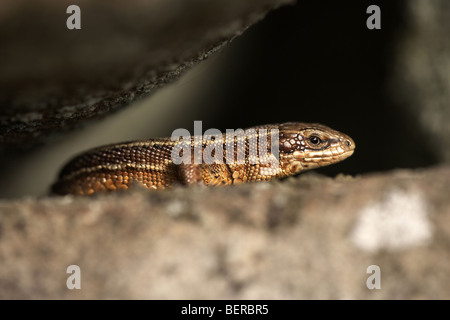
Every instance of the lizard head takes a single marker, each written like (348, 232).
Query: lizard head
(305, 146)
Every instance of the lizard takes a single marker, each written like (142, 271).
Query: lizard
(296, 147)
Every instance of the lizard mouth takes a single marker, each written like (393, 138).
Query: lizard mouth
(314, 155)
(345, 154)
(321, 159)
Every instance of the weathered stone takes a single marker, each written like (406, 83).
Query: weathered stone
(306, 237)
(53, 78)
(420, 78)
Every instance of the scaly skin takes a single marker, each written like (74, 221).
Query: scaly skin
(301, 146)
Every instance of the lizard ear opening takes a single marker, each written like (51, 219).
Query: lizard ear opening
(295, 167)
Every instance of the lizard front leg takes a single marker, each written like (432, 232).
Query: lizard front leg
(208, 174)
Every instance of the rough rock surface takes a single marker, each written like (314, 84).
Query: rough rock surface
(305, 237)
(421, 71)
(53, 78)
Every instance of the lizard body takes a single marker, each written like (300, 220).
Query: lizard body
(250, 157)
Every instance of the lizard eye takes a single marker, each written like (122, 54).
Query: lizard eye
(315, 140)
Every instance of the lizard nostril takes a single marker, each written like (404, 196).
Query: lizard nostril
(348, 143)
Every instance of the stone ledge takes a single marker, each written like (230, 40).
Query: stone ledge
(54, 79)
(305, 237)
